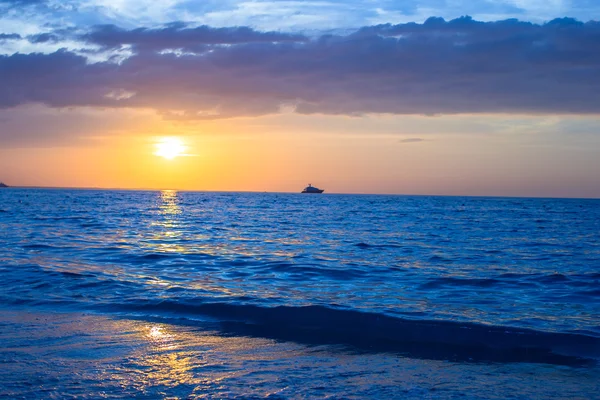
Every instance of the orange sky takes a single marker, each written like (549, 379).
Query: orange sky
(454, 155)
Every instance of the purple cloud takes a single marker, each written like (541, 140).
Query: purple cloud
(439, 67)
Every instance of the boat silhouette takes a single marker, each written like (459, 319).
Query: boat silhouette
(311, 189)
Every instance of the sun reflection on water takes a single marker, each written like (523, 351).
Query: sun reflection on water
(169, 205)
(167, 225)
(165, 363)
(158, 335)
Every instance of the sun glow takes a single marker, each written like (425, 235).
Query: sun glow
(169, 148)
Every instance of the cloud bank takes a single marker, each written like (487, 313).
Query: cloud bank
(438, 67)
(177, 36)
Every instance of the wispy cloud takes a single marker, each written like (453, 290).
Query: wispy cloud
(412, 140)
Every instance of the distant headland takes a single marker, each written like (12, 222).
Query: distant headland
(2, 185)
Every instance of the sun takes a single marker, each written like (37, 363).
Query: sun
(169, 148)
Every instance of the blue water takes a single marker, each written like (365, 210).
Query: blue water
(124, 293)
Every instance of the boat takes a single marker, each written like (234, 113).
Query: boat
(2, 185)
(311, 189)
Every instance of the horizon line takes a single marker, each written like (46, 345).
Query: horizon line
(289, 192)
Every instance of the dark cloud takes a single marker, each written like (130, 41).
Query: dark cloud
(178, 36)
(10, 36)
(44, 38)
(439, 67)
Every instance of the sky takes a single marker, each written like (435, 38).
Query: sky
(449, 97)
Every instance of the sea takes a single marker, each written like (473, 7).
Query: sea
(185, 295)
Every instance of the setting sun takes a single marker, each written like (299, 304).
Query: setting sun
(169, 148)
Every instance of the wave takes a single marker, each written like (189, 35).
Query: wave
(429, 339)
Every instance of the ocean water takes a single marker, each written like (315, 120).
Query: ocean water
(113, 294)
